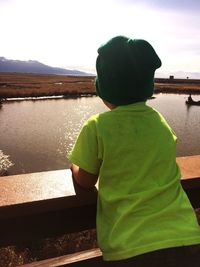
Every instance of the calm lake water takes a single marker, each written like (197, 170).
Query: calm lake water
(38, 134)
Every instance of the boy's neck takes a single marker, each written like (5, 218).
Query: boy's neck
(109, 105)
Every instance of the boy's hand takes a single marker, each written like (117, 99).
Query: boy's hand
(83, 178)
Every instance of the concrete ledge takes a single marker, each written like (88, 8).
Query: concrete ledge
(32, 193)
(190, 170)
(190, 166)
(46, 204)
(35, 187)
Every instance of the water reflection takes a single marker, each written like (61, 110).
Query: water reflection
(38, 134)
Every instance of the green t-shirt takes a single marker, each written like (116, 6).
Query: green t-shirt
(141, 204)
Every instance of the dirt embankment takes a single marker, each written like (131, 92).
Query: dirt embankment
(14, 85)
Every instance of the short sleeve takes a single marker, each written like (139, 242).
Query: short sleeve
(85, 151)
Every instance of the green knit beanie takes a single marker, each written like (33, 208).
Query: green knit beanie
(125, 70)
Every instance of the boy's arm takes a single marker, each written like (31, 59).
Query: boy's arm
(83, 178)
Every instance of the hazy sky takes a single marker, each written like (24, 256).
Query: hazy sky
(67, 33)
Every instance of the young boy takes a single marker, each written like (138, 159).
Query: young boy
(144, 217)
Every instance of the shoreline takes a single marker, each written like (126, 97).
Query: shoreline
(45, 97)
(75, 96)
(26, 97)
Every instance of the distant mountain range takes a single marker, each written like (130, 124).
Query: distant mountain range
(32, 66)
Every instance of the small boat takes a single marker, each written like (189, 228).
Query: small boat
(190, 101)
(194, 103)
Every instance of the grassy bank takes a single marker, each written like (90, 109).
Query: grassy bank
(177, 86)
(14, 85)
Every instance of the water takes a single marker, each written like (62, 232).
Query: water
(38, 134)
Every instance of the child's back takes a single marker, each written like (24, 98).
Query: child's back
(142, 207)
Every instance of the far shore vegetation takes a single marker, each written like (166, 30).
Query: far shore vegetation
(15, 85)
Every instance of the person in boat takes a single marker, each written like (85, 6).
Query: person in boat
(190, 100)
(144, 217)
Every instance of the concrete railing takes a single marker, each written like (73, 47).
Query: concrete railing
(46, 204)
